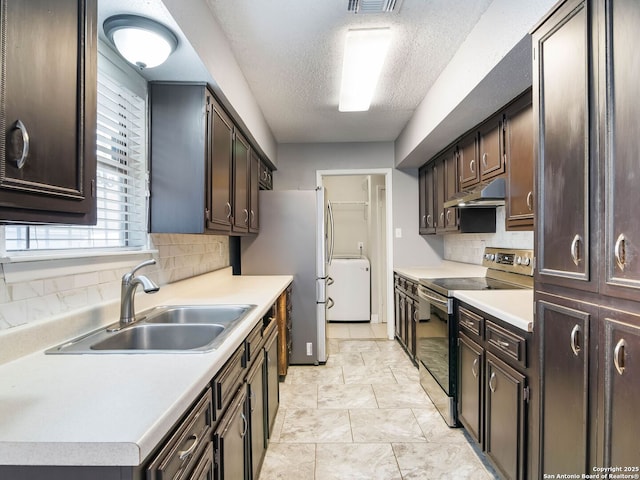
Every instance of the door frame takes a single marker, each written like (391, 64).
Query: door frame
(388, 181)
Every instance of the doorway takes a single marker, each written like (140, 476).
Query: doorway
(362, 204)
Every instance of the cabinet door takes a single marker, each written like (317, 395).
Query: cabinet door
(562, 148)
(505, 417)
(518, 128)
(467, 161)
(398, 308)
(439, 192)
(451, 189)
(254, 224)
(491, 150)
(426, 197)
(48, 111)
(622, 243)
(272, 385)
(256, 402)
(564, 343)
(229, 440)
(411, 318)
(470, 375)
(219, 181)
(241, 169)
(620, 383)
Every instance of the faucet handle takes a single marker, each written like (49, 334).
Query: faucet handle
(151, 261)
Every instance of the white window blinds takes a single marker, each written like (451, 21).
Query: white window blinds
(121, 179)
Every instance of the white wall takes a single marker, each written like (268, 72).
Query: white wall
(297, 166)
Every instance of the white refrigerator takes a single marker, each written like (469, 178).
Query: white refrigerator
(296, 238)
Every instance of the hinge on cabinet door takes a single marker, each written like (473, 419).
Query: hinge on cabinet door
(527, 394)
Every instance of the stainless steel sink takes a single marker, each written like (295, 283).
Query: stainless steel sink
(162, 337)
(164, 329)
(197, 314)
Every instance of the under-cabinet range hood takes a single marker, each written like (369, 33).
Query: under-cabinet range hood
(490, 193)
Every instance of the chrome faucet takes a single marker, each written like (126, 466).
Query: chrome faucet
(128, 290)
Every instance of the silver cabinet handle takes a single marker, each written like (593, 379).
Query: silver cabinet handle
(474, 368)
(424, 220)
(484, 160)
(575, 346)
(575, 249)
(492, 382)
(246, 216)
(618, 355)
(20, 160)
(429, 220)
(228, 209)
(415, 315)
(185, 453)
(442, 218)
(530, 201)
(472, 165)
(330, 303)
(448, 216)
(469, 323)
(502, 344)
(245, 425)
(619, 251)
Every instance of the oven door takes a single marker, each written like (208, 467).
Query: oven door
(435, 350)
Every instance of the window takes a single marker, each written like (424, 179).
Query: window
(121, 178)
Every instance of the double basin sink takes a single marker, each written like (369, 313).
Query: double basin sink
(164, 329)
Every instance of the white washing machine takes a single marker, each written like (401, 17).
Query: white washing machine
(350, 290)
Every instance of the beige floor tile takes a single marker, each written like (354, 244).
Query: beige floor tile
(333, 346)
(405, 374)
(315, 374)
(391, 357)
(341, 359)
(385, 425)
(346, 396)
(289, 462)
(337, 330)
(368, 374)
(358, 346)
(301, 395)
(401, 396)
(316, 426)
(435, 429)
(389, 345)
(379, 330)
(274, 437)
(361, 330)
(356, 462)
(419, 461)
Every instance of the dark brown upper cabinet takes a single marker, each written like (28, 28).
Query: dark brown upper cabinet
(451, 188)
(220, 161)
(254, 187)
(518, 143)
(468, 160)
(241, 169)
(426, 200)
(439, 179)
(621, 139)
(48, 111)
(491, 150)
(563, 149)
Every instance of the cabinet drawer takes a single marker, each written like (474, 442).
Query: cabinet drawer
(506, 344)
(253, 344)
(180, 453)
(228, 380)
(470, 323)
(204, 468)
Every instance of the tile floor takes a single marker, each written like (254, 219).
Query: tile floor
(364, 415)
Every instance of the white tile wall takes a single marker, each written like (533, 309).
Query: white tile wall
(179, 257)
(469, 247)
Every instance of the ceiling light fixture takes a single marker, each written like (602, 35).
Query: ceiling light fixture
(364, 54)
(141, 41)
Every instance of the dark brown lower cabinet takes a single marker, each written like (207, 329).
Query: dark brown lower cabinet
(406, 314)
(229, 440)
(505, 415)
(493, 389)
(256, 402)
(471, 373)
(272, 381)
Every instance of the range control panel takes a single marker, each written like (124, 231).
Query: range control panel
(509, 260)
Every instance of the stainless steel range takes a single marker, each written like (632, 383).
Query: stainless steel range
(436, 332)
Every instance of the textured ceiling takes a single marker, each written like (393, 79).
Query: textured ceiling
(290, 52)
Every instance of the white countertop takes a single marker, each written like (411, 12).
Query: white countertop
(444, 269)
(512, 306)
(113, 409)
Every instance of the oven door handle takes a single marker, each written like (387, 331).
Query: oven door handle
(423, 293)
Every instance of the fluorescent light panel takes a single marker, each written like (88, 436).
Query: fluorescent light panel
(364, 54)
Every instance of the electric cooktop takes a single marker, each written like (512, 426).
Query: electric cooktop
(445, 285)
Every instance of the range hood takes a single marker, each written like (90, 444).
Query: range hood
(490, 193)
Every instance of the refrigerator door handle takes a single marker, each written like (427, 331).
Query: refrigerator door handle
(332, 236)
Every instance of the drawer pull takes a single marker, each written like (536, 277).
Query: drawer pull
(186, 453)
(492, 382)
(474, 368)
(469, 323)
(575, 346)
(502, 344)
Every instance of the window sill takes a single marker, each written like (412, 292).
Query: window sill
(30, 266)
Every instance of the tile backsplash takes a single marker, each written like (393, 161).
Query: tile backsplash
(469, 247)
(179, 257)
